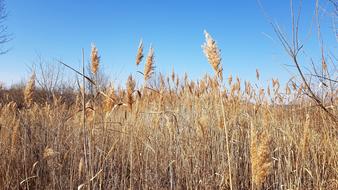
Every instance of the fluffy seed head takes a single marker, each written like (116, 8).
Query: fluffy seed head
(29, 91)
(324, 66)
(230, 79)
(110, 101)
(287, 89)
(261, 163)
(95, 59)
(173, 74)
(247, 87)
(261, 92)
(48, 153)
(275, 83)
(257, 74)
(130, 90)
(212, 52)
(149, 67)
(139, 55)
(294, 86)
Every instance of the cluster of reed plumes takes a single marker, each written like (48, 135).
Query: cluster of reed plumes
(170, 133)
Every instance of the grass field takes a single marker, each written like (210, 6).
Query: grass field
(169, 133)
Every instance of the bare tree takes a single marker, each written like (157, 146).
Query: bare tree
(4, 36)
(49, 74)
(310, 79)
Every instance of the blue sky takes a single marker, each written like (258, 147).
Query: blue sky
(59, 29)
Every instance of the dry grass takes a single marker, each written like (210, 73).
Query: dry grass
(178, 134)
(149, 65)
(139, 55)
(29, 91)
(212, 53)
(261, 161)
(95, 59)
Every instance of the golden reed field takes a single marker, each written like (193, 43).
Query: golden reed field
(170, 132)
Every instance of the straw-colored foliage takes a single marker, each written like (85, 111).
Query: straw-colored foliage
(176, 134)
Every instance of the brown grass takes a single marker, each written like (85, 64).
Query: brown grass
(260, 154)
(139, 55)
(212, 53)
(95, 59)
(29, 91)
(179, 134)
(149, 66)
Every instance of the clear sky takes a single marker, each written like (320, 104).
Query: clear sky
(59, 29)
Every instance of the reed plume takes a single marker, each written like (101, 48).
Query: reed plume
(29, 91)
(287, 89)
(110, 101)
(49, 153)
(95, 59)
(173, 74)
(324, 65)
(139, 55)
(212, 52)
(130, 90)
(257, 74)
(149, 67)
(261, 163)
(230, 80)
